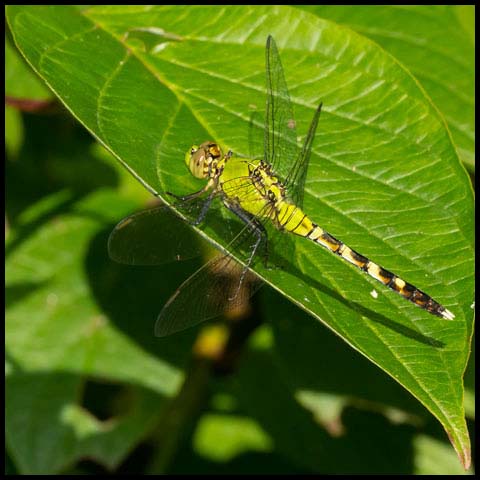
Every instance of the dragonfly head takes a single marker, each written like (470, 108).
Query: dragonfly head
(200, 158)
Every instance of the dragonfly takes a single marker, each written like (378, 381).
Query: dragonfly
(260, 193)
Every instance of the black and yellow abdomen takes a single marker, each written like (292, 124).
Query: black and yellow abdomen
(292, 219)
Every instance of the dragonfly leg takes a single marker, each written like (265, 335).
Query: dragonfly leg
(186, 198)
(205, 208)
(261, 238)
(192, 196)
(251, 222)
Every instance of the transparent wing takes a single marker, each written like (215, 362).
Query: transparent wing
(220, 285)
(152, 237)
(280, 136)
(255, 136)
(295, 181)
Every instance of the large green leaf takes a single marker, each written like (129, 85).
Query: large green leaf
(384, 176)
(437, 44)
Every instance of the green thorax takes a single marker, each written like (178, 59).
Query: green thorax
(252, 185)
(247, 184)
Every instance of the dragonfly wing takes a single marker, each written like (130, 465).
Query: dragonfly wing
(221, 285)
(255, 136)
(152, 237)
(280, 136)
(295, 181)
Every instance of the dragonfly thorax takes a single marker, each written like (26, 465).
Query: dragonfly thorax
(202, 160)
(267, 183)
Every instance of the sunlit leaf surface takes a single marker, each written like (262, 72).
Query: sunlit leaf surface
(384, 177)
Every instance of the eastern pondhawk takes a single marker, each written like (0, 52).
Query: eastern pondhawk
(258, 192)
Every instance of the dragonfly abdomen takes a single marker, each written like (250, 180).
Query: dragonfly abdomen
(303, 226)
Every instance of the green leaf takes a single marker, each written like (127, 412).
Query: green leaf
(384, 176)
(13, 132)
(20, 80)
(437, 44)
(237, 436)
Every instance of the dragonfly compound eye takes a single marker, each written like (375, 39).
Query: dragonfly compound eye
(199, 158)
(190, 154)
